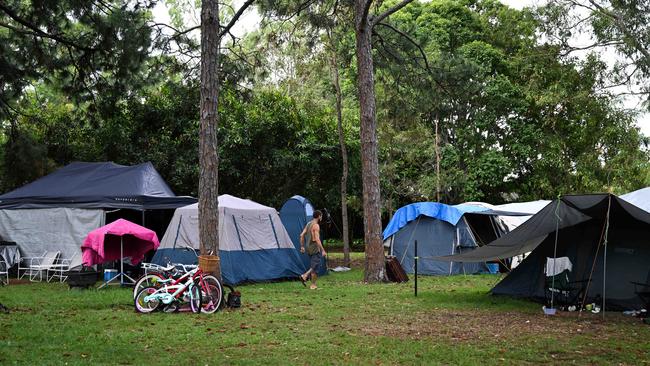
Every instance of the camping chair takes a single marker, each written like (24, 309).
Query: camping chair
(642, 290)
(61, 268)
(35, 266)
(557, 284)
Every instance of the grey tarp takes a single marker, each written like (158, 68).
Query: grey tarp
(53, 229)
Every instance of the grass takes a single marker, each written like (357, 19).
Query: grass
(452, 321)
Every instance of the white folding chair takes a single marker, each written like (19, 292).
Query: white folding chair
(61, 268)
(37, 265)
(4, 271)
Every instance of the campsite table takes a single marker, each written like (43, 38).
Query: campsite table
(9, 253)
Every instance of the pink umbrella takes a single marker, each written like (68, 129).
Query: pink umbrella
(118, 240)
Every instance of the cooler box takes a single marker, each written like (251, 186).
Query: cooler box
(109, 274)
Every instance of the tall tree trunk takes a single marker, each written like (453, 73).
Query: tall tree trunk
(435, 121)
(374, 266)
(208, 153)
(344, 157)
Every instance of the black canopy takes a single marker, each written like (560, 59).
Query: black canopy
(97, 185)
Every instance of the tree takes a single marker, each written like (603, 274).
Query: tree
(211, 35)
(602, 25)
(364, 22)
(344, 152)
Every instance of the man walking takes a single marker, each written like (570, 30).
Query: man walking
(311, 235)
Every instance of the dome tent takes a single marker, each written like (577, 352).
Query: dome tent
(440, 228)
(253, 244)
(296, 212)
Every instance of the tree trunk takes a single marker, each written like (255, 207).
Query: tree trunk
(208, 153)
(344, 157)
(374, 266)
(435, 121)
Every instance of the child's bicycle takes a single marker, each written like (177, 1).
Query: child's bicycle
(204, 293)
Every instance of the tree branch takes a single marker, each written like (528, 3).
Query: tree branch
(38, 32)
(375, 20)
(235, 17)
(622, 28)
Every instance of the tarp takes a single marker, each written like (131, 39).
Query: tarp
(640, 198)
(295, 213)
(52, 229)
(434, 210)
(253, 243)
(106, 243)
(570, 209)
(97, 185)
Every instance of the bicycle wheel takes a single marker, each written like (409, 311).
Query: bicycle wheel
(148, 280)
(142, 306)
(212, 294)
(195, 298)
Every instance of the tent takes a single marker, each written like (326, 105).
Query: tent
(253, 243)
(296, 212)
(440, 230)
(56, 212)
(605, 237)
(639, 198)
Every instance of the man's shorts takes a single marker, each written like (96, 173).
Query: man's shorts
(314, 261)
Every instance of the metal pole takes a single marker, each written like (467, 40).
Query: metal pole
(121, 260)
(609, 204)
(415, 258)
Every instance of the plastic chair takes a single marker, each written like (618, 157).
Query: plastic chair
(37, 265)
(4, 271)
(61, 268)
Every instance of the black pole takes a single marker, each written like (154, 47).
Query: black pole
(415, 258)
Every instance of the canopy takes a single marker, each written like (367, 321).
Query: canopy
(103, 244)
(561, 213)
(97, 185)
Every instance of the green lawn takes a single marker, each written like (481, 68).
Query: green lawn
(452, 321)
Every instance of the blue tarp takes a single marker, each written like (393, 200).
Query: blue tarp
(435, 210)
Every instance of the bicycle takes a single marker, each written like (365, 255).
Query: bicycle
(170, 295)
(210, 290)
(154, 274)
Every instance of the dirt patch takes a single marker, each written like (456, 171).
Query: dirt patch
(338, 261)
(475, 326)
(13, 281)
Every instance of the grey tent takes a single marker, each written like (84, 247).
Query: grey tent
(56, 212)
(606, 239)
(440, 229)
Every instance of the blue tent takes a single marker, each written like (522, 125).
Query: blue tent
(440, 228)
(253, 244)
(296, 212)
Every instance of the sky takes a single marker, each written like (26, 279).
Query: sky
(249, 21)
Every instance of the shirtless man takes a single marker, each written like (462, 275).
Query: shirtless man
(315, 249)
